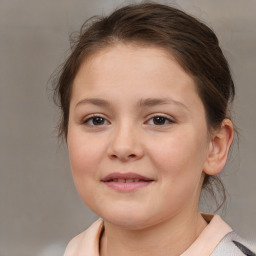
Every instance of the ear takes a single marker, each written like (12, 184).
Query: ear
(220, 143)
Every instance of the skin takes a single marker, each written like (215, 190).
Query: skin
(175, 154)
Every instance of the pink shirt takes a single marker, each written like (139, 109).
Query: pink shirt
(205, 244)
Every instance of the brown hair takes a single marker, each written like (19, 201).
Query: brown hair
(192, 43)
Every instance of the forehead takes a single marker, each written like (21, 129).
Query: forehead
(131, 63)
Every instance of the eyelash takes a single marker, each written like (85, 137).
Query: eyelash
(94, 116)
(91, 117)
(165, 118)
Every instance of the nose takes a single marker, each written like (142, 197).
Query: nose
(125, 144)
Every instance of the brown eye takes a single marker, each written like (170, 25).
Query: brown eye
(98, 120)
(159, 120)
(95, 121)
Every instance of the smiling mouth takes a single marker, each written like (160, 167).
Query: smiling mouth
(126, 182)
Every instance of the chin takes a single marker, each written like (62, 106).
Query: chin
(127, 219)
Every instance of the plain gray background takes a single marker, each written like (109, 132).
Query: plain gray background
(39, 207)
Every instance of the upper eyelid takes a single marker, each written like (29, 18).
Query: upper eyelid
(162, 115)
(88, 117)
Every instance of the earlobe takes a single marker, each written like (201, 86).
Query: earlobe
(219, 147)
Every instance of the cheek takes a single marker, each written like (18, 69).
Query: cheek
(85, 154)
(180, 159)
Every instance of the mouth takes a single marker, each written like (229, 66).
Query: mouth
(126, 182)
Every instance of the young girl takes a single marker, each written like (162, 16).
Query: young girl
(145, 95)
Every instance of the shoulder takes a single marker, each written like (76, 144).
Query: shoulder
(87, 242)
(233, 245)
(74, 244)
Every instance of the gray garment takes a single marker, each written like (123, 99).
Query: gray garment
(232, 245)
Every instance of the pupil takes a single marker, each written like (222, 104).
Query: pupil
(159, 120)
(98, 120)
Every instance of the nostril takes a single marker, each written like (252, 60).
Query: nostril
(131, 156)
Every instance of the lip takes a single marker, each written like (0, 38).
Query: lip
(127, 175)
(126, 182)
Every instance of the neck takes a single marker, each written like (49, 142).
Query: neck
(170, 237)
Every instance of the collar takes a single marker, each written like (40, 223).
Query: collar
(205, 244)
(210, 237)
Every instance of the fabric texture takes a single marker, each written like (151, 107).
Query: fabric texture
(217, 239)
(232, 244)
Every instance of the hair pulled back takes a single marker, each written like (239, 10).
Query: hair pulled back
(192, 43)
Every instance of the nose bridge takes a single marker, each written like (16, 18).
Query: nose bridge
(125, 141)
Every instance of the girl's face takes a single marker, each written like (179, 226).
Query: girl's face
(137, 136)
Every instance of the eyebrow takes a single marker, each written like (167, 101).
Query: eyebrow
(151, 102)
(143, 103)
(94, 101)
